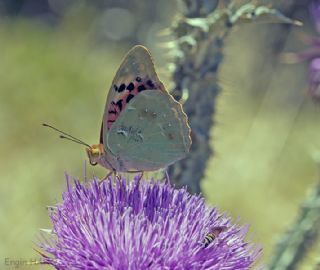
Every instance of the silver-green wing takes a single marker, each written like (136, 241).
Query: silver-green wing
(151, 133)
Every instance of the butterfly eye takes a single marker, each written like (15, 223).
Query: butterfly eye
(95, 151)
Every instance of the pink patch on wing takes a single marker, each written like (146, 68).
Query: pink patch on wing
(126, 93)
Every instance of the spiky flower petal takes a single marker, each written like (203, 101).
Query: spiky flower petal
(314, 79)
(142, 225)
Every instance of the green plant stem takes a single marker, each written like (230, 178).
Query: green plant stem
(294, 245)
(200, 33)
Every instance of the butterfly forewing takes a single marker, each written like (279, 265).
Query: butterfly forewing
(135, 74)
(151, 133)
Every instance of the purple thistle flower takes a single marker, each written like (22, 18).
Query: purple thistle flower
(314, 68)
(314, 8)
(142, 225)
(314, 79)
(311, 54)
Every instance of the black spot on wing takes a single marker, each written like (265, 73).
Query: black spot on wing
(150, 83)
(138, 79)
(112, 112)
(141, 88)
(121, 87)
(115, 88)
(129, 97)
(130, 86)
(119, 104)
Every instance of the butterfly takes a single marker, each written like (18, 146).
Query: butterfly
(143, 127)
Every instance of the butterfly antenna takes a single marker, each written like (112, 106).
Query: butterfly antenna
(76, 141)
(67, 136)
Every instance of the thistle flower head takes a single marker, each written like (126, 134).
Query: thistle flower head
(311, 54)
(314, 8)
(314, 79)
(142, 225)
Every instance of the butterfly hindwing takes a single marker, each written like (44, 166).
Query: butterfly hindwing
(151, 133)
(135, 74)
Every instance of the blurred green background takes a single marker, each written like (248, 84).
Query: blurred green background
(57, 61)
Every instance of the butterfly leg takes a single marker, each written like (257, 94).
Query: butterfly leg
(106, 177)
(136, 172)
(141, 175)
(116, 176)
(166, 177)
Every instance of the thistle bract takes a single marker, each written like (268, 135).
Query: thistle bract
(141, 225)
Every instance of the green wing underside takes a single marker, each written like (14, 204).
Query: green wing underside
(151, 133)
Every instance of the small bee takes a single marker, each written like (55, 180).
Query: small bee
(213, 234)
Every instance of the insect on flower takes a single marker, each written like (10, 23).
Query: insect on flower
(143, 127)
(213, 234)
(140, 225)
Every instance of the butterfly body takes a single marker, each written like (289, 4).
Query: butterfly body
(143, 127)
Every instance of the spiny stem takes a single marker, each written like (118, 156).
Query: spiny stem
(294, 245)
(200, 32)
